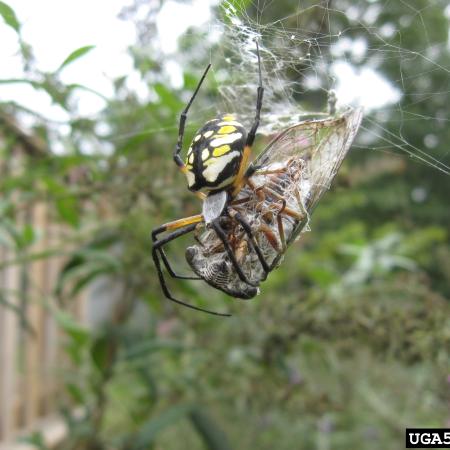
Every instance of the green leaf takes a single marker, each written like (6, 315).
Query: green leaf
(102, 351)
(35, 439)
(212, 435)
(9, 16)
(167, 97)
(78, 53)
(28, 235)
(143, 349)
(83, 281)
(147, 434)
(75, 392)
(73, 329)
(85, 265)
(73, 86)
(68, 210)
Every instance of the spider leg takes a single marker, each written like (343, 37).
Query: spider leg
(156, 254)
(261, 191)
(248, 230)
(244, 169)
(270, 236)
(171, 226)
(281, 228)
(272, 171)
(179, 146)
(223, 237)
(259, 98)
(285, 210)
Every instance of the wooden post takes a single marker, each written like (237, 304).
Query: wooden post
(9, 342)
(35, 296)
(51, 335)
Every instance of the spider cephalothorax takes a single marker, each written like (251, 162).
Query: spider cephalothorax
(213, 159)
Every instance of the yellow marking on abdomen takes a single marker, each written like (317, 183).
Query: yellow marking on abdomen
(227, 129)
(219, 151)
(228, 117)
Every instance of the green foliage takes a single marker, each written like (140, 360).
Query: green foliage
(37, 440)
(76, 54)
(214, 438)
(85, 265)
(348, 342)
(9, 16)
(147, 434)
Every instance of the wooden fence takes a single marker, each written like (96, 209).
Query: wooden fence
(29, 340)
(30, 354)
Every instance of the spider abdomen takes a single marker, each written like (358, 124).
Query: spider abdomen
(215, 155)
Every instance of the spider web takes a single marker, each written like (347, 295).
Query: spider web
(388, 52)
(302, 62)
(386, 56)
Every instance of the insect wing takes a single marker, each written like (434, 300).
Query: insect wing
(322, 144)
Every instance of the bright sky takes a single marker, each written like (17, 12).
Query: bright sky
(56, 28)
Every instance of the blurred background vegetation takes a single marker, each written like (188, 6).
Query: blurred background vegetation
(349, 341)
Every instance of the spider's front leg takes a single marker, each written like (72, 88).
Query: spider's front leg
(246, 169)
(181, 126)
(173, 226)
(177, 229)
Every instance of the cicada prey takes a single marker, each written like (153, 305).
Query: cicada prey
(275, 204)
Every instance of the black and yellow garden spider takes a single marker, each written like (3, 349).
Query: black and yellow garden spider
(252, 212)
(217, 167)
